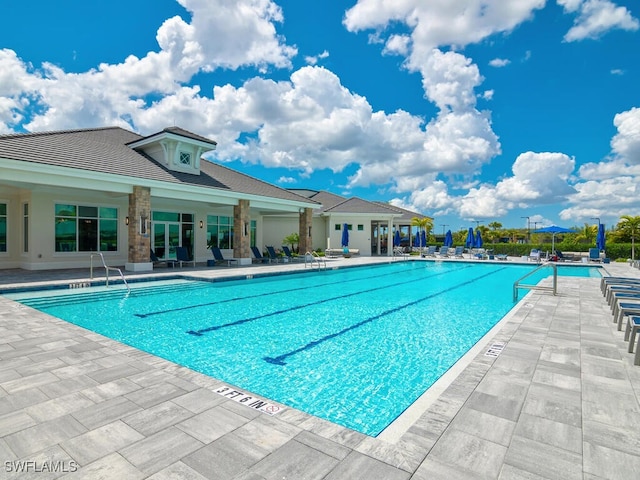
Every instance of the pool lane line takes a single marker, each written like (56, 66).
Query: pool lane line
(280, 359)
(202, 331)
(247, 297)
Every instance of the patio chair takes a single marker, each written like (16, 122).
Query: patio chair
(444, 252)
(594, 255)
(458, 252)
(258, 257)
(534, 255)
(219, 258)
(429, 251)
(288, 254)
(156, 261)
(182, 256)
(273, 256)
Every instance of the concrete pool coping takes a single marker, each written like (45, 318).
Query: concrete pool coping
(560, 401)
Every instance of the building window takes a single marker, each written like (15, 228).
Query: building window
(3, 227)
(254, 230)
(81, 228)
(360, 227)
(185, 158)
(337, 227)
(219, 231)
(25, 227)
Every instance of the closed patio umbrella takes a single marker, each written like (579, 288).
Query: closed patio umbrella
(600, 240)
(345, 235)
(448, 239)
(423, 238)
(478, 243)
(470, 242)
(396, 239)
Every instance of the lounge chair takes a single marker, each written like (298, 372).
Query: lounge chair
(429, 251)
(594, 255)
(258, 257)
(289, 255)
(480, 254)
(156, 261)
(562, 257)
(219, 258)
(534, 255)
(182, 256)
(502, 256)
(273, 256)
(633, 327)
(444, 252)
(459, 252)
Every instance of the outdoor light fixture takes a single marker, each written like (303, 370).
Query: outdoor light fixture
(309, 230)
(201, 224)
(143, 223)
(126, 221)
(246, 229)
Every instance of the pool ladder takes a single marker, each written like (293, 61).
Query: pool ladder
(311, 258)
(107, 268)
(553, 288)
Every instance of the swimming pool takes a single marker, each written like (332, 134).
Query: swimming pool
(355, 346)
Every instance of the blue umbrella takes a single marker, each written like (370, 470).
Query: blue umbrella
(396, 239)
(345, 235)
(448, 239)
(416, 240)
(600, 240)
(478, 242)
(553, 229)
(470, 242)
(423, 238)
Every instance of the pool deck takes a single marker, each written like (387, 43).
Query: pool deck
(560, 401)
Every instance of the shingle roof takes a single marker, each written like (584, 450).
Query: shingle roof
(406, 214)
(105, 150)
(183, 133)
(358, 205)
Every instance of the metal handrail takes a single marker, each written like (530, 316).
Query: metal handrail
(399, 252)
(311, 257)
(553, 289)
(107, 268)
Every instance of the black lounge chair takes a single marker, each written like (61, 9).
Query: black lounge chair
(258, 256)
(288, 254)
(182, 256)
(272, 254)
(156, 261)
(219, 258)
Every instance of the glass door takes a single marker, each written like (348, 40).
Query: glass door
(166, 237)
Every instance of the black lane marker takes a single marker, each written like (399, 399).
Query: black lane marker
(244, 297)
(316, 302)
(280, 359)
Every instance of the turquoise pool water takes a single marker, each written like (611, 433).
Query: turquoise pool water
(355, 346)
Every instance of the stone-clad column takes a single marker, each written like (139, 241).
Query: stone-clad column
(304, 230)
(242, 232)
(139, 230)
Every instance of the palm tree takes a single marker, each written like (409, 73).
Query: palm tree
(588, 233)
(495, 226)
(423, 223)
(630, 226)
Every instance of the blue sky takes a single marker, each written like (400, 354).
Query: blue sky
(467, 111)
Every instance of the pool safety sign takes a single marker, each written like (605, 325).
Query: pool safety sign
(248, 400)
(495, 349)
